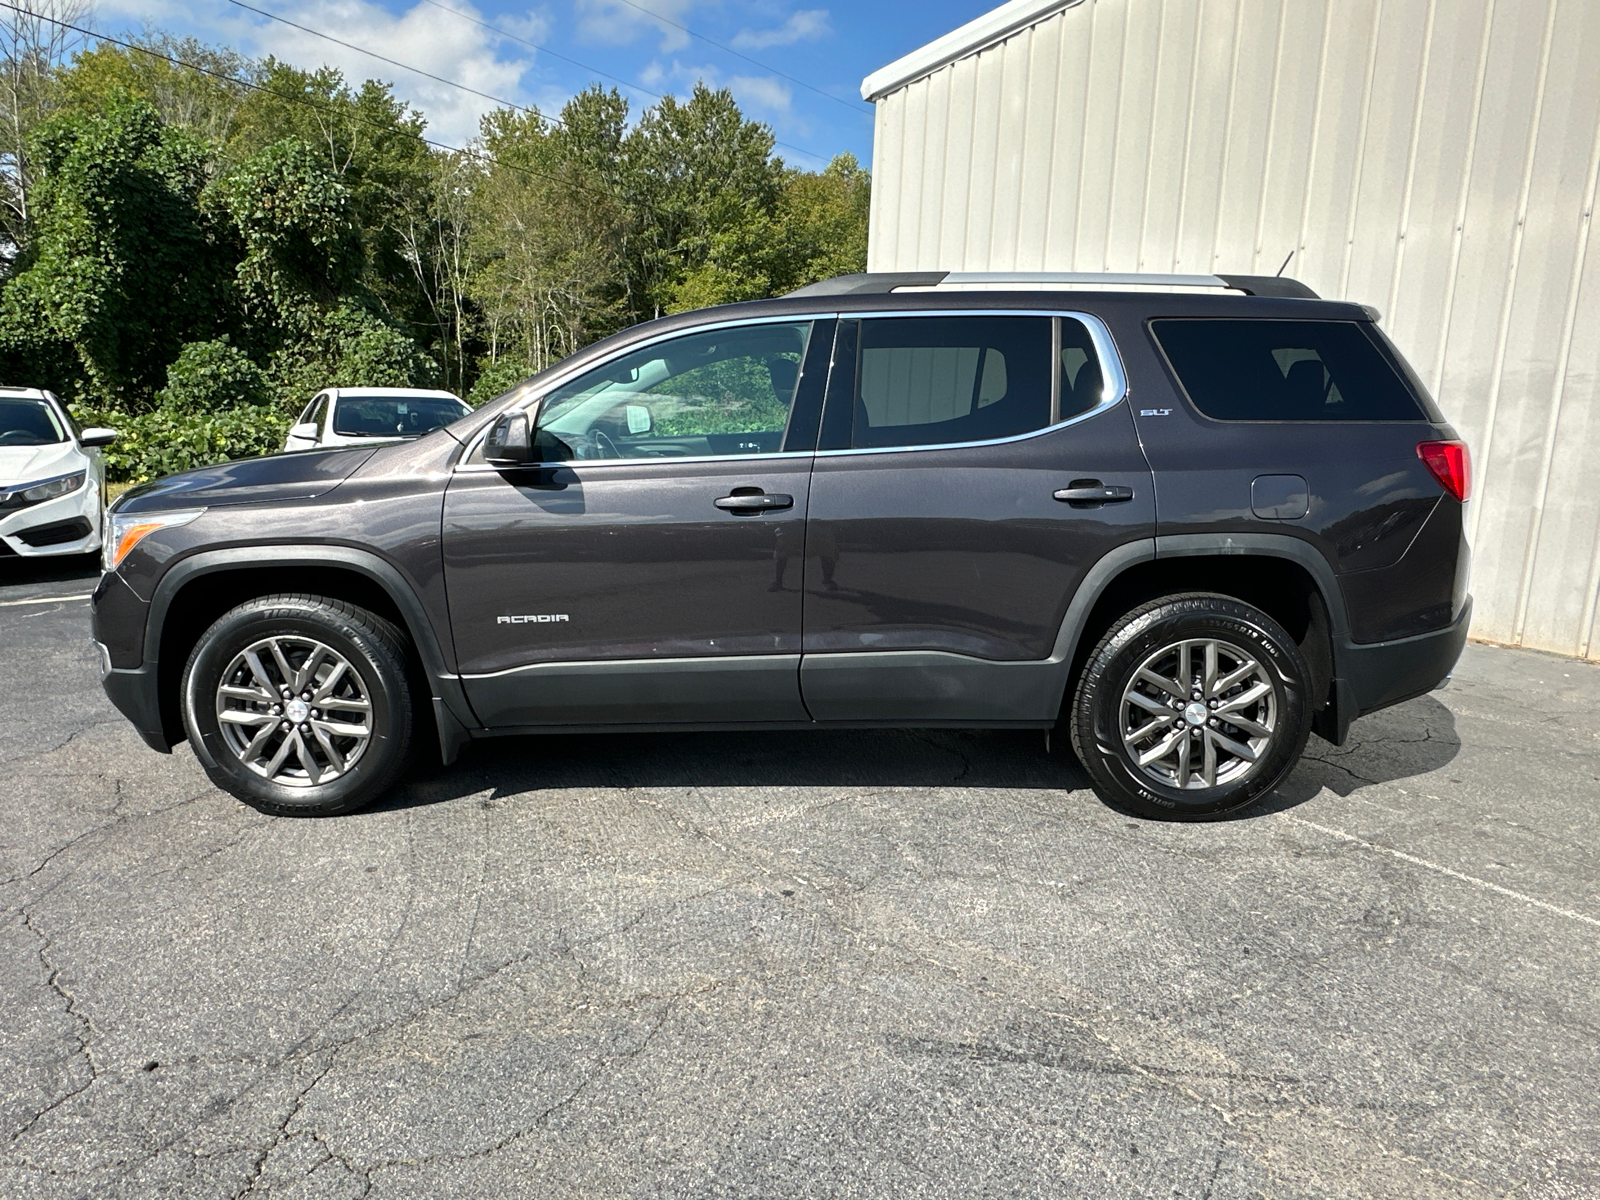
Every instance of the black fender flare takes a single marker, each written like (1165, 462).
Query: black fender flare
(1100, 577)
(451, 710)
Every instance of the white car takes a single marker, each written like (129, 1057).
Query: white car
(52, 477)
(361, 416)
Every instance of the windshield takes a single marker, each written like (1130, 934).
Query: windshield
(395, 416)
(29, 423)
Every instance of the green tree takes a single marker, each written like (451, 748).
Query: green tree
(213, 376)
(703, 188)
(123, 266)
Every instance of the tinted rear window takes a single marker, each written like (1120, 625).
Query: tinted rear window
(932, 380)
(1285, 371)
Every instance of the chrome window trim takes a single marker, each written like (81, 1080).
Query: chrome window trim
(1105, 347)
(562, 380)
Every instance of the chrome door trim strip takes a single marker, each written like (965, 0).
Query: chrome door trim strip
(1105, 346)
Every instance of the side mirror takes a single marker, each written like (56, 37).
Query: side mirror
(307, 431)
(508, 444)
(96, 436)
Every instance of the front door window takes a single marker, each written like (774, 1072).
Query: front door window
(726, 392)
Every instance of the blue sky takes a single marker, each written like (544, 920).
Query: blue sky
(826, 44)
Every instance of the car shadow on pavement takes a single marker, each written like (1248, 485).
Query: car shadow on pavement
(1412, 739)
(803, 758)
(17, 571)
(1408, 740)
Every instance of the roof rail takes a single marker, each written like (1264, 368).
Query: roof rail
(883, 282)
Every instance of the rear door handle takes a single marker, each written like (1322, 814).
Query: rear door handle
(753, 502)
(1091, 493)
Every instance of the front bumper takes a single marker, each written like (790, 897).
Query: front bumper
(1380, 674)
(69, 524)
(137, 696)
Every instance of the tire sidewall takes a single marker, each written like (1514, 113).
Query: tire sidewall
(380, 676)
(1113, 666)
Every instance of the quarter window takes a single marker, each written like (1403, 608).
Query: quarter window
(923, 381)
(722, 392)
(1285, 371)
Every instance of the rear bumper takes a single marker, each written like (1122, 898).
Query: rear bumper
(137, 697)
(1376, 675)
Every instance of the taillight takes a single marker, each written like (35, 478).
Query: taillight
(1451, 465)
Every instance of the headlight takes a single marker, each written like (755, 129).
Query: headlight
(124, 531)
(47, 489)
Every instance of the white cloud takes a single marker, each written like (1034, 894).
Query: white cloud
(807, 25)
(441, 43)
(619, 23)
(761, 91)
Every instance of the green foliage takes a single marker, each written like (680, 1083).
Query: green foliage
(120, 265)
(302, 251)
(197, 254)
(213, 376)
(497, 378)
(158, 443)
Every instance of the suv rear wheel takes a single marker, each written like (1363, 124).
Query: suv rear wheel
(1191, 706)
(299, 705)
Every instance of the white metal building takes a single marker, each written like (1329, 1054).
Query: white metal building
(1436, 158)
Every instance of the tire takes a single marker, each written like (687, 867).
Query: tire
(345, 741)
(1221, 766)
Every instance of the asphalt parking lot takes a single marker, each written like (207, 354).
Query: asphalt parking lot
(867, 964)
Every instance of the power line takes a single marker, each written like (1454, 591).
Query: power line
(327, 109)
(655, 16)
(511, 37)
(328, 37)
(440, 78)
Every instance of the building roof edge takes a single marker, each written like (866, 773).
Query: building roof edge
(974, 36)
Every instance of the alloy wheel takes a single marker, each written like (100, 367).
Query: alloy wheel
(1199, 713)
(294, 710)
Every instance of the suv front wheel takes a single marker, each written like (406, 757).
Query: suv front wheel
(1191, 706)
(299, 705)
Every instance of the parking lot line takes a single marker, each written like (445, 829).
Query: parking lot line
(46, 599)
(1443, 870)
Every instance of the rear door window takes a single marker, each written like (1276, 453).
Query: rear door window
(925, 381)
(1244, 370)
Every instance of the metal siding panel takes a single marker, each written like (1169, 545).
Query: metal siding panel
(1100, 125)
(1335, 160)
(1555, 247)
(1208, 135)
(935, 180)
(959, 152)
(1077, 37)
(888, 181)
(1250, 119)
(985, 189)
(1141, 68)
(1294, 102)
(1506, 389)
(1417, 316)
(1386, 152)
(1169, 126)
(1010, 104)
(1038, 150)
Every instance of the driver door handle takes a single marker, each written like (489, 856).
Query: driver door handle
(753, 501)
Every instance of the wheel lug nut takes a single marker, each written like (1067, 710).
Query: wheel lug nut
(286, 727)
(305, 729)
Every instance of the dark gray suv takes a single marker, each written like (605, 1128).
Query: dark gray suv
(1183, 526)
